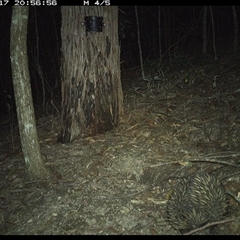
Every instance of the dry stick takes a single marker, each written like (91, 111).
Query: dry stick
(197, 160)
(224, 154)
(215, 161)
(209, 225)
(234, 197)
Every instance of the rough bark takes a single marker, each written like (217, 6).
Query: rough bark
(23, 96)
(91, 87)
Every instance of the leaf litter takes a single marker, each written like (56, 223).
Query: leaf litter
(119, 182)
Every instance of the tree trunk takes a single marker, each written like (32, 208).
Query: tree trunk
(235, 25)
(23, 96)
(159, 34)
(92, 100)
(213, 33)
(204, 49)
(139, 45)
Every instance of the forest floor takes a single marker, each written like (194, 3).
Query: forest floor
(185, 121)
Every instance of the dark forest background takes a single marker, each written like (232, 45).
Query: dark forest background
(181, 39)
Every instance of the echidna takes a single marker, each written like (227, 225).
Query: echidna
(195, 201)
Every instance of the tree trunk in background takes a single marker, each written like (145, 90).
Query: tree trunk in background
(92, 99)
(159, 34)
(213, 33)
(23, 96)
(235, 25)
(204, 49)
